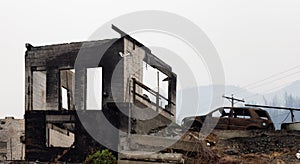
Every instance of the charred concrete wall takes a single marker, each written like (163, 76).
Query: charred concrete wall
(54, 60)
(49, 69)
(133, 66)
(55, 67)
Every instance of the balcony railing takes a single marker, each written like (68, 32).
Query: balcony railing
(156, 94)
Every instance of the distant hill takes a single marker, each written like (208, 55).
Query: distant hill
(292, 90)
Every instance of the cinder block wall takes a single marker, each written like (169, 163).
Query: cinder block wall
(133, 66)
(117, 72)
(10, 132)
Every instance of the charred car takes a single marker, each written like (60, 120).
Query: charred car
(231, 118)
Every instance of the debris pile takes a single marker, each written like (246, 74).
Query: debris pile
(264, 147)
(222, 146)
(171, 144)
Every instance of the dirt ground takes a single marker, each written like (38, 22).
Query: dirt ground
(258, 147)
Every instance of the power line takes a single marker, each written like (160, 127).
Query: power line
(273, 88)
(255, 94)
(274, 75)
(274, 80)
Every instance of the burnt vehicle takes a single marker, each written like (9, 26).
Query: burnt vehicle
(231, 118)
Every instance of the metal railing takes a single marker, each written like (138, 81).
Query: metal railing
(152, 92)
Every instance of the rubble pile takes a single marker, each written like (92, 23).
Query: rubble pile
(228, 146)
(267, 147)
(194, 147)
(202, 144)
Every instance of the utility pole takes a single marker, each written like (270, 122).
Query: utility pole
(232, 99)
(277, 107)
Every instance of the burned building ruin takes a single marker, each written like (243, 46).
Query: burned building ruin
(67, 89)
(12, 139)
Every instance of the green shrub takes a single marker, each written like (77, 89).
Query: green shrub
(103, 157)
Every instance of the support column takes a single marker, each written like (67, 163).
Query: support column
(80, 89)
(28, 90)
(53, 89)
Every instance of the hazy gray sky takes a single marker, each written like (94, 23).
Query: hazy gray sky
(254, 38)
